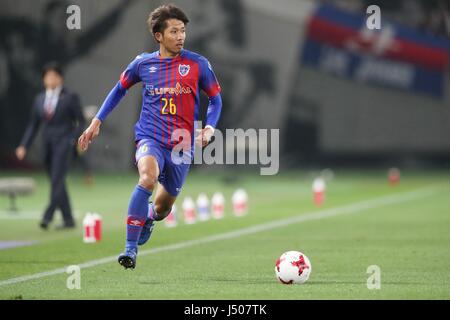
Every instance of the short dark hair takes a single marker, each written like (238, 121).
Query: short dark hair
(157, 19)
(52, 66)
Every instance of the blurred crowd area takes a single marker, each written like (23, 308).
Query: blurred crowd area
(431, 16)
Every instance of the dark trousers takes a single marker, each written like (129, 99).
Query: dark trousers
(58, 153)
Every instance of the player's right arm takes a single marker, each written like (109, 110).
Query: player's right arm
(127, 79)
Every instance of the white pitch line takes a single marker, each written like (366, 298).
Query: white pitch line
(314, 215)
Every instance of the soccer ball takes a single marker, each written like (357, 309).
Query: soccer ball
(292, 267)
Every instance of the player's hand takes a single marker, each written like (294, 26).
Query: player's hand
(204, 136)
(89, 134)
(21, 152)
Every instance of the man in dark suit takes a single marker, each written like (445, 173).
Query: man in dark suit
(59, 111)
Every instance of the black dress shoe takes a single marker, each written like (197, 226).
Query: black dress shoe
(43, 225)
(65, 226)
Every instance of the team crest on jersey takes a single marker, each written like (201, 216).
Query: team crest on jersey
(183, 69)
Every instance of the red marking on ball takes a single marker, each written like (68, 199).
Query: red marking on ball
(300, 264)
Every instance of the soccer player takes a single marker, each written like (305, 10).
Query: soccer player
(171, 80)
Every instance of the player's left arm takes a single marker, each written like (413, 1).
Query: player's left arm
(210, 85)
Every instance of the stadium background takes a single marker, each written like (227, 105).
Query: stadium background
(323, 115)
(278, 70)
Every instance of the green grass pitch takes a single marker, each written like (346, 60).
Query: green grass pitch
(405, 231)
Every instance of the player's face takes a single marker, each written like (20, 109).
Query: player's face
(172, 38)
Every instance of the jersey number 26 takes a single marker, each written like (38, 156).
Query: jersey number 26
(169, 107)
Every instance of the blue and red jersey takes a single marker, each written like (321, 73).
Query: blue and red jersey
(170, 94)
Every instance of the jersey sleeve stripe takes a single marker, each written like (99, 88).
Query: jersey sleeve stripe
(213, 90)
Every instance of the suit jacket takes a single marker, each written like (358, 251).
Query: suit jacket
(67, 120)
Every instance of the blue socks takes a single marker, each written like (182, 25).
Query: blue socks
(137, 215)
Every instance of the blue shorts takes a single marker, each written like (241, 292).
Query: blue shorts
(171, 175)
